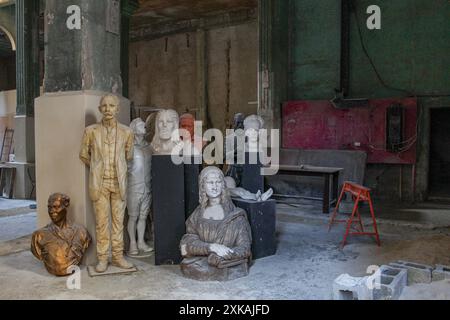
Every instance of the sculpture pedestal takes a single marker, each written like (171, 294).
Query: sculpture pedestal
(60, 119)
(168, 208)
(262, 219)
(112, 270)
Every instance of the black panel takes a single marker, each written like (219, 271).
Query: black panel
(262, 219)
(168, 209)
(252, 180)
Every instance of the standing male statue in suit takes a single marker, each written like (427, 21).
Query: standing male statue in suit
(106, 148)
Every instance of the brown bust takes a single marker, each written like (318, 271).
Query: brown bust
(61, 244)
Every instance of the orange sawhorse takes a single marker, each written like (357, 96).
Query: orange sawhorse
(359, 194)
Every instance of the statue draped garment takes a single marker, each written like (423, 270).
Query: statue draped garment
(233, 231)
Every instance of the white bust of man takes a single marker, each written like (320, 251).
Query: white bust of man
(252, 125)
(166, 137)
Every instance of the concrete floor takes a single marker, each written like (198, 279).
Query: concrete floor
(307, 261)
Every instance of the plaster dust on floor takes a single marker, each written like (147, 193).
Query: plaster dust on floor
(307, 261)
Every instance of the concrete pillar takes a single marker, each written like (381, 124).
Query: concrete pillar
(128, 7)
(273, 60)
(202, 77)
(82, 65)
(27, 79)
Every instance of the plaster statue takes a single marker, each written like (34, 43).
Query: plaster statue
(164, 142)
(61, 244)
(235, 170)
(106, 148)
(252, 125)
(245, 194)
(217, 244)
(139, 189)
(192, 146)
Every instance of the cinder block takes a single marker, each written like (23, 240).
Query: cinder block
(417, 273)
(346, 287)
(385, 284)
(389, 283)
(441, 273)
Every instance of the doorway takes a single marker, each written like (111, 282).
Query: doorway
(439, 174)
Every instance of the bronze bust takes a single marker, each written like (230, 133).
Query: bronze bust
(61, 244)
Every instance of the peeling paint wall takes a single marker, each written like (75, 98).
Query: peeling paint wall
(164, 72)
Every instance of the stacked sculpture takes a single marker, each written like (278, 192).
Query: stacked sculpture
(216, 240)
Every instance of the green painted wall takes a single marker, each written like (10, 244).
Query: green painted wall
(314, 49)
(411, 51)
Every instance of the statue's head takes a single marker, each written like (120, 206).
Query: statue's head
(57, 207)
(238, 121)
(187, 122)
(109, 106)
(212, 186)
(138, 127)
(166, 123)
(252, 125)
(230, 183)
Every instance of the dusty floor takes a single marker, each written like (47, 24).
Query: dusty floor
(307, 261)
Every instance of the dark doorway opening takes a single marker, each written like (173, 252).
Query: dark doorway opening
(439, 175)
(7, 63)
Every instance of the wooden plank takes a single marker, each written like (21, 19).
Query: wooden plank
(307, 168)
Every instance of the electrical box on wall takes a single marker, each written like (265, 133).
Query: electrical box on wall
(395, 115)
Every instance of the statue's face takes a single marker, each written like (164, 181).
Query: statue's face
(252, 131)
(213, 185)
(188, 125)
(238, 121)
(166, 126)
(109, 108)
(57, 211)
(140, 129)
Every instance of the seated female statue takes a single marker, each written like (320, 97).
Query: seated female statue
(217, 246)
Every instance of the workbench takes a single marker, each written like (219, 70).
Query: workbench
(329, 175)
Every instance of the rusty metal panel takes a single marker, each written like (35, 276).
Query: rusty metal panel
(315, 125)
